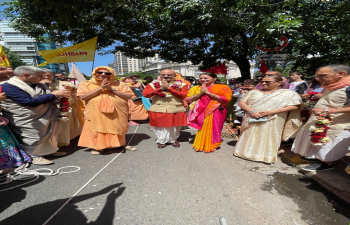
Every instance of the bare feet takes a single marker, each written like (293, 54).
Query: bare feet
(94, 152)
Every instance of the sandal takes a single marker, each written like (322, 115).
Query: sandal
(133, 123)
(94, 152)
(130, 148)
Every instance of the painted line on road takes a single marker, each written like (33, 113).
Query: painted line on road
(53, 215)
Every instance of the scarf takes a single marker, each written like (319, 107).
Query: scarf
(344, 81)
(22, 85)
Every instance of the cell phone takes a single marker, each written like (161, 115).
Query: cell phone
(0, 89)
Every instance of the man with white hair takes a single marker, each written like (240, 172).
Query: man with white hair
(329, 140)
(31, 108)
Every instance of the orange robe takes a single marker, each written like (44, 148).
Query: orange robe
(136, 109)
(106, 117)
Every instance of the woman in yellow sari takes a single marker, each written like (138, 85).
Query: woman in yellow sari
(208, 109)
(106, 112)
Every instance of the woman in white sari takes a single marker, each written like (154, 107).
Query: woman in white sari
(272, 114)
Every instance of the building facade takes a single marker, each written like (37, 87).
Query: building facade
(188, 69)
(27, 47)
(123, 64)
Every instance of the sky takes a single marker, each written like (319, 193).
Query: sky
(86, 67)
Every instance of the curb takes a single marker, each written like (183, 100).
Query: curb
(335, 181)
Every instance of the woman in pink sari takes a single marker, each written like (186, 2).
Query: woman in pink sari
(208, 109)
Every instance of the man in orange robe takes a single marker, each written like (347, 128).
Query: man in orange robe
(168, 113)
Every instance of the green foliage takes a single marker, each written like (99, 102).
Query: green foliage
(14, 58)
(201, 31)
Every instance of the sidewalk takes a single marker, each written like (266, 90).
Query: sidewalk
(335, 181)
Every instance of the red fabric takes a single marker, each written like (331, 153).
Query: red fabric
(263, 67)
(149, 91)
(157, 119)
(220, 69)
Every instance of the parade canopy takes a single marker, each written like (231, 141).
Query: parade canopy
(81, 52)
(220, 69)
(75, 73)
(3, 58)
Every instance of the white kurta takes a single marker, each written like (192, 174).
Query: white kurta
(338, 132)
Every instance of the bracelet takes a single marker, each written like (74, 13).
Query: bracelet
(251, 112)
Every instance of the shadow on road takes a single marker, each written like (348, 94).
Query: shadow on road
(186, 137)
(7, 198)
(38, 214)
(136, 139)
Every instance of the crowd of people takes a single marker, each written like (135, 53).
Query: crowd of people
(42, 111)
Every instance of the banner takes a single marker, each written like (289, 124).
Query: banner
(75, 73)
(220, 69)
(3, 58)
(81, 52)
(263, 67)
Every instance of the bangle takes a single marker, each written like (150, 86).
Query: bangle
(251, 112)
(113, 90)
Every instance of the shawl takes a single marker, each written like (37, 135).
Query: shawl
(32, 125)
(276, 100)
(344, 81)
(22, 85)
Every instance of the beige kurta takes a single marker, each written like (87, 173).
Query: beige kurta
(260, 141)
(71, 128)
(338, 132)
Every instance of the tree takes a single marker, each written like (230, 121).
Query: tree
(201, 31)
(14, 58)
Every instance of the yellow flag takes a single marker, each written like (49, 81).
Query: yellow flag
(3, 58)
(81, 52)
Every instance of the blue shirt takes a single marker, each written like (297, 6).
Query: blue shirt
(18, 95)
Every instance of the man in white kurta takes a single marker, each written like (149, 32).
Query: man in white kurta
(31, 109)
(335, 79)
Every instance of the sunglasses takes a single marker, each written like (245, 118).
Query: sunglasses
(107, 73)
(267, 82)
(268, 75)
(168, 75)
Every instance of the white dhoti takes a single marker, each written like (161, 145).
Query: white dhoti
(334, 150)
(167, 134)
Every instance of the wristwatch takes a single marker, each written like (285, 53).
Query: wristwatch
(113, 90)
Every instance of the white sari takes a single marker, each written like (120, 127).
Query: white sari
(259, 141)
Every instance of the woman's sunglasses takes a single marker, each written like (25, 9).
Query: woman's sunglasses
(107, 73)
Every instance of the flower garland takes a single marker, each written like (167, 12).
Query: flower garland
(319, 131)
(175, 85)
(309, 104)
(63, 109)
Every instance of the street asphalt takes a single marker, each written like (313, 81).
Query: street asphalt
(157, 186)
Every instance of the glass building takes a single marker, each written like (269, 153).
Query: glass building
(27, 47)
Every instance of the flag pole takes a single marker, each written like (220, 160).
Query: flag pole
(93, 62)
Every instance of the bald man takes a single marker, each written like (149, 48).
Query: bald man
(168, 113)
